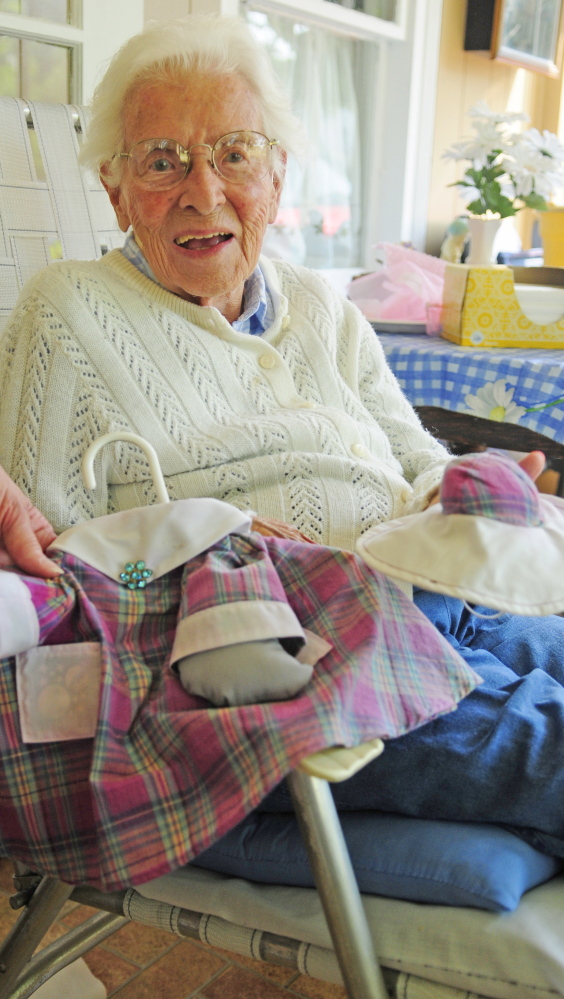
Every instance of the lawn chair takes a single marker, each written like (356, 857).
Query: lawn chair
(425, 950)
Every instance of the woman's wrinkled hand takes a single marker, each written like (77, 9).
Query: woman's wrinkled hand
(24, 532)
(277, 529)
(533, 464)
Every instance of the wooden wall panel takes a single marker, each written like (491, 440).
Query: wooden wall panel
(465, 78)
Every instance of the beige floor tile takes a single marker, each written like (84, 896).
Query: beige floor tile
(141, 944)
(112, 970)
(8, 916)
(68, 907)
(312, 988)
(77, 914)
(274, 972)
(175, 975)
(237, 983)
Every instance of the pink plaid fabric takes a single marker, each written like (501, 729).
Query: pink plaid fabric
(490, 485)
(166, 774)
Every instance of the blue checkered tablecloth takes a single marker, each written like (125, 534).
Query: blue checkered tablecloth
(528, 383)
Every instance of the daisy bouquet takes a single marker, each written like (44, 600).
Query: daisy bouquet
(509, 169)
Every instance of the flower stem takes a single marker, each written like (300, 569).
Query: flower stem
(537, 409)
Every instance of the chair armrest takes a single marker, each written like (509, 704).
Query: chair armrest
(338, 763)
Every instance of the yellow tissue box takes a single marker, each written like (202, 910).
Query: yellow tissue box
(480, 307)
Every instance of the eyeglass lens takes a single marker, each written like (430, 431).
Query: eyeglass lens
(239, 157)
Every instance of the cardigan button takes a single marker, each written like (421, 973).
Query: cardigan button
(267, 361)
(360, 451)
(286, 322)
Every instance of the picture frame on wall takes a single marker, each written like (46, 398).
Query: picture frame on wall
(528, 33)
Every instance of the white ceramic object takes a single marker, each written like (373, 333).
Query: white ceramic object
(483, 232)
(542, 304)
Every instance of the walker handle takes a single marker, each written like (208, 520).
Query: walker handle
(148, 451)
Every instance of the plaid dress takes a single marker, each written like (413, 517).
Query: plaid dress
(167, 774)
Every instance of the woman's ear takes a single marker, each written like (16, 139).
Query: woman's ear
(115, 195)
(277, 185)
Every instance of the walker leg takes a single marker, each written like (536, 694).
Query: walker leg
(336, 883)
(40, 912)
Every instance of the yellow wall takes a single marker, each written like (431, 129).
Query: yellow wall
(464, 78)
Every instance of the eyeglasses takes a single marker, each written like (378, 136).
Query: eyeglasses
(239, 157)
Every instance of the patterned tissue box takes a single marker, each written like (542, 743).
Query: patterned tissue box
(481, 309)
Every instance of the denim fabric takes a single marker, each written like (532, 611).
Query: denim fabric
(499, 757)
(421, 860)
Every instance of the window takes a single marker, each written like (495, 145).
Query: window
(52, 50)
(47, 55)
(320, 219)
(40, 70)
(40, 49)
(362, 74)
(60, 11)
(386, 9)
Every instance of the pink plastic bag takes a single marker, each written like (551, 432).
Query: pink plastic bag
(409, 287)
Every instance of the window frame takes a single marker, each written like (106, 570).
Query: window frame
(89, 39)
(353, 23)
(38, 30)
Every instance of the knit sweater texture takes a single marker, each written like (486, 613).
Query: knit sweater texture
(306, 424)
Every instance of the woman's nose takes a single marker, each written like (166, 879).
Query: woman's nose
(202, 187)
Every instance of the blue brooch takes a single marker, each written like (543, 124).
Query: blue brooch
(135, 575)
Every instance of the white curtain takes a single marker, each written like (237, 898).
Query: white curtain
(319, 223)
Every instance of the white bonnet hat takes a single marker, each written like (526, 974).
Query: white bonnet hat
(493, 540)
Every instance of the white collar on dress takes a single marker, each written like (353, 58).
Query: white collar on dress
(163, 536)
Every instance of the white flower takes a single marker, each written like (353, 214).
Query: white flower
(493, 401)
(469, 194)
(482, 110)
(507, 187)
(531, 171)
(548, 144)
(477, 148)
(508, 169)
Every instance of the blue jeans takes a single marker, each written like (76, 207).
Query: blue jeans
(500, 756)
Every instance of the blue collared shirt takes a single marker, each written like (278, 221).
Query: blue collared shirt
(258, 310)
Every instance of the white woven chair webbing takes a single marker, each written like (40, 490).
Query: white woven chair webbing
(219, 933)
(319, 962)
(69, 206)
(158, 914)
(413, 987)
(58, 143)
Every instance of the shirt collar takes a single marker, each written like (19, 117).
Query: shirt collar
(258, 308)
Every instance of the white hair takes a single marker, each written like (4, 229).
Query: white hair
(168, 51)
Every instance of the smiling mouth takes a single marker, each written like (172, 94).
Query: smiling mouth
(202, 242)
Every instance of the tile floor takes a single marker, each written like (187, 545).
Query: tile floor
(139, 962)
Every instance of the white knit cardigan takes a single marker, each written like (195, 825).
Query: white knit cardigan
(306, 424)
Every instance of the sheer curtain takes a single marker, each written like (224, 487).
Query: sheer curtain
(320, 219)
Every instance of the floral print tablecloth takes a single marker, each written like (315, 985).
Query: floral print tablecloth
(513, 385)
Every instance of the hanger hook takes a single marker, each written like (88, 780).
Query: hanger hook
(148, 451)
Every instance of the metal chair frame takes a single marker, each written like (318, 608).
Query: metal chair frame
(43, 897)
(86, 231)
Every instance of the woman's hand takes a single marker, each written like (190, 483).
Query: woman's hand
(277, 529)
(24, 532)
(533, 464)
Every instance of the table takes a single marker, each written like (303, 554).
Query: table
(510, 398)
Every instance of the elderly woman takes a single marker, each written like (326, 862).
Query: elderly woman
(256, 384)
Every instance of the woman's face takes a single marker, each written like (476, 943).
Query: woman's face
(203, 238)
